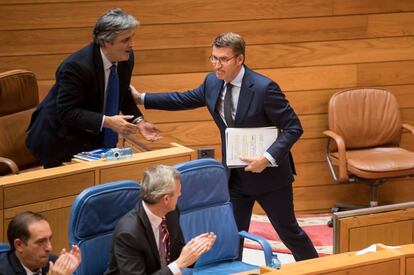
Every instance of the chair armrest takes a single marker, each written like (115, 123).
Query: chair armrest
(270, 258)
(408, 127)
(11, 164)
(340, 143)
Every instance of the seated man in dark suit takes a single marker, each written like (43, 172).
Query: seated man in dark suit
(30, 236)
(148, 240)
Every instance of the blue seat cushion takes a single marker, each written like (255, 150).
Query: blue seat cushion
(229, 267)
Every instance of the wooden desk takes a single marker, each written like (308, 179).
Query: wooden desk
(384, 261)
(52, 191)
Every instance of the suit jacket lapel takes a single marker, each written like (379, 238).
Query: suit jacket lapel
(100, 74)
(217, 92)
(245, 97)
(148, 231)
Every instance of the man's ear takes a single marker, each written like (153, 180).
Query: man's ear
(18, 244)
(166, 198)
(240, 59)
(106, 44)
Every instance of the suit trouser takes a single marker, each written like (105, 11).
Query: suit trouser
(278, 205)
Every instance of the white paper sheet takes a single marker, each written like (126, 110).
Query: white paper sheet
(247, 142)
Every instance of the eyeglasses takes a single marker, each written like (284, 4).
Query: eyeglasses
(222, 60)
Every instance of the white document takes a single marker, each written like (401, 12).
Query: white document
(247, 142)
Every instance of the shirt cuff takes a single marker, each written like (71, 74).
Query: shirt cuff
(143, 98)
(102, 123)
(174, 268)
(270, 159)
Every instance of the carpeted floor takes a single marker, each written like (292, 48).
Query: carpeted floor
(315, 225)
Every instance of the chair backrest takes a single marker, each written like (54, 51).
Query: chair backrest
(205, 207)
(94, 215)
(4, 248)
(18, 99)
(365, 117)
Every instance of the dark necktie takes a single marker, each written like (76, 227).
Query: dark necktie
(164, 243)
(228, 105)
(112, 106)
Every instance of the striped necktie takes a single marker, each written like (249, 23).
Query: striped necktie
(164, 248)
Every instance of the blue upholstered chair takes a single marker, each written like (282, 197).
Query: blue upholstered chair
(4, 248)
(205, 206)
(94, 215)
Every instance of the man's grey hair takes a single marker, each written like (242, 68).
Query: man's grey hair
(157, 182)
(111, 24)
(230, 40)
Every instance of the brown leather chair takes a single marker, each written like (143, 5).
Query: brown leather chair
(18, 99)
(366, 128)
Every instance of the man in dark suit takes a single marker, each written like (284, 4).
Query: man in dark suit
(250, 100)
(81, 111)
(148, 240)
(29, 235)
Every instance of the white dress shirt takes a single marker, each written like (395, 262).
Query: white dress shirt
(155, 224)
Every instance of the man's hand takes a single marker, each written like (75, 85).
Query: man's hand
(136, 95)
(255, 164)
(120, 124)
(195, 248)
(67, 263)
(149, 131)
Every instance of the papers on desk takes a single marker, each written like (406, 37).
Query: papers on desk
(91, 155)
(247, 142)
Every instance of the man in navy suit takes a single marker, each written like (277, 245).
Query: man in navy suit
(255, 101)
(81, 113)
(29, 236)
(138, 246)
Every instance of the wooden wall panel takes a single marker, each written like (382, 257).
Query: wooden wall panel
(377, 6)
(157, 12)
(68, 39)
(312, 49)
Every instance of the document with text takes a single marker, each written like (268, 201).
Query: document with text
(247, 142)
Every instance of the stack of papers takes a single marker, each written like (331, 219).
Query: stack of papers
(247, 142)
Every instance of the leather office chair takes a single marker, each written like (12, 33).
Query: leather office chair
(18, 99)
(94, 215)
(366, 128)
(205, 207)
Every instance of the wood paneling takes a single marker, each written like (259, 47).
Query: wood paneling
(388, 227)
(377, 6)
(67, 40)
(156, 12)
(395, 234)
(135, 171)
(24, 194)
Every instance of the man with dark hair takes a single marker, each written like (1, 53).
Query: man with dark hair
(29, 236)
(238, 97)
(148, 240)
(81, 111)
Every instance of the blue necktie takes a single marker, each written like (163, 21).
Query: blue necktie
(112, 106)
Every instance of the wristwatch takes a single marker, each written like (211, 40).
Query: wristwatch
(137, 120)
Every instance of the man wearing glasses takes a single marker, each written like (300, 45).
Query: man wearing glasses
(239, 97)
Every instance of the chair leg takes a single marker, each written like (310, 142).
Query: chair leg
(373, 196)
(373, 193)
